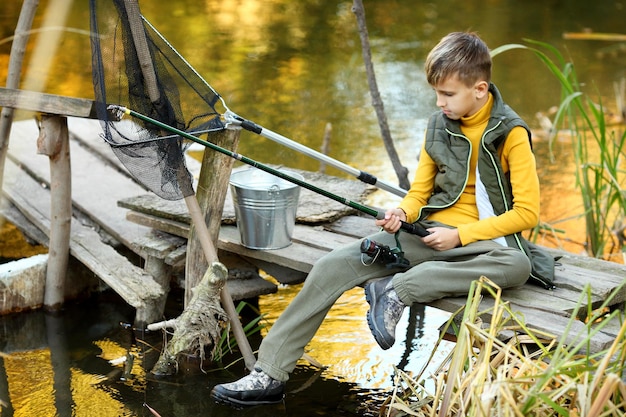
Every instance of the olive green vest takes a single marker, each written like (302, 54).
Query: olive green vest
(451, 151)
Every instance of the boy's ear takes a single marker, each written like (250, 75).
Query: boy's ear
(481, 88)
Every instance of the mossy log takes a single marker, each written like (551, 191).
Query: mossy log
(200, 325)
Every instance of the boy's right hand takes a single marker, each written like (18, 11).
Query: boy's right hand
(392, 221)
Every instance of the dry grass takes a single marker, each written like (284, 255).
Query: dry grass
(526, 375)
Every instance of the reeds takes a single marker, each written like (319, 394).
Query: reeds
(228, 345)
(506, 369)
(599, 150)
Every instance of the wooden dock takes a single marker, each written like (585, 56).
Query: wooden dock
(114, 216)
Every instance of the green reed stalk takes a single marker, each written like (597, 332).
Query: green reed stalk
(601, 179)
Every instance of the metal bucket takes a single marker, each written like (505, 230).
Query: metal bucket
(265, 206)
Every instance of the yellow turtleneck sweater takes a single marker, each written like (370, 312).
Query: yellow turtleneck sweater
(516, 157)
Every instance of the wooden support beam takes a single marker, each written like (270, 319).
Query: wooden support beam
(54, 141)
(212, 188)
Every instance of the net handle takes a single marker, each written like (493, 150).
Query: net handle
(147, 68)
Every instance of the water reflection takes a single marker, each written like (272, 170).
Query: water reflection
(57, 364)
(68, 365)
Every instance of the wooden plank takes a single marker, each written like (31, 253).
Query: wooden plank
(556, 325)
(135, 286)
(312, 208)
(96, 187)
(354, 226)
(244, 281)
(176, 258)
(47, 103)
(563, 300)
(560, 300)
(156, 208)
(612, 327)
(132, 283)
(299, 256)
(158, 244)
(602, 283)
(317, 237)
(165, 225)
(87, 132)
(30, 231)
(295, 256)
(282, 274)
(616, 272)
(543, 321)
(242, 289)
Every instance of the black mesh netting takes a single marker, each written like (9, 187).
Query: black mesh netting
(134, 66)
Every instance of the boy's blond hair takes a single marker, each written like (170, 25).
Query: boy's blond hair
(459, 53)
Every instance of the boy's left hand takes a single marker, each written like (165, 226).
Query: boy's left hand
(442, 238)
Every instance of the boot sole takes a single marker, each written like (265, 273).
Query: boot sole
(226, 400)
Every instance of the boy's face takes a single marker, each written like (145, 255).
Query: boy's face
(457, 100)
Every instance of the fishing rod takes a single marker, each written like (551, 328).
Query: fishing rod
(413, 228)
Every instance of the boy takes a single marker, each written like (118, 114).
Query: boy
(475, 190)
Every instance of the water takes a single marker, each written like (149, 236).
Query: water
(294, 67)
(65, 365)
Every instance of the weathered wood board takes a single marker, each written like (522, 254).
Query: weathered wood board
(96, 187)
(47, 103)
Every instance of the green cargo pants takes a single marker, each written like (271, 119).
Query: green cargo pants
(433, 275)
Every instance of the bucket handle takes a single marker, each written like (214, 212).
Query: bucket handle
(274, 190)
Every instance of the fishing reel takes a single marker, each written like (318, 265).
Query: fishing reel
(383, 254)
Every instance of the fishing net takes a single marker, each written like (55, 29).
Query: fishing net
(134, 65)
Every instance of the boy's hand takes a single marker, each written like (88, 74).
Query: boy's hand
(442, 238)
(392, 221)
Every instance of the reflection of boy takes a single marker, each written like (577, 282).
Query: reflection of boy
(475, 190)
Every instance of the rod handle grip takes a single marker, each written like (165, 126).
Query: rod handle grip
(415, 229)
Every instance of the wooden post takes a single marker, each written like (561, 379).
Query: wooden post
(7, 407)
(212, 186)
(54, 141)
